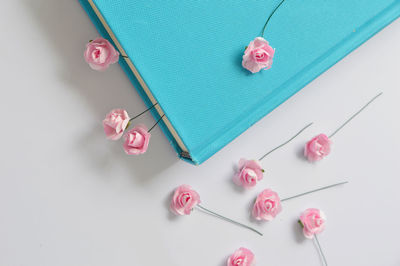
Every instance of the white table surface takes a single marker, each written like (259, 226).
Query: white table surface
(70, 197)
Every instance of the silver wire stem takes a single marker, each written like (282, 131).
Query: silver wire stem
(315, 190)
(320, 250)
(286, 142)
(351, 118)
(227, 219)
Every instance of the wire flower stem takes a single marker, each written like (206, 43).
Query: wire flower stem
(273, 12)
(158, 121)
(354, 115)
(286, 142)
(315, 190)
(227, 219)
(320, 250)
(148, 109)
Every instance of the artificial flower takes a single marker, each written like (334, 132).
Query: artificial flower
(317, 148)
(258, 55)
(250, 172)
(137, 140)
(313, 222)
(267, 205)
(241, 257)
(100, 54)
(115, 123)
(184, 200)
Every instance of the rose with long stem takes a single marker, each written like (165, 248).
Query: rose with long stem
(313, 222)
(136, 140)
(259, 55)
(320, 146)
(268, 203)
(250, 172)
(185, 200)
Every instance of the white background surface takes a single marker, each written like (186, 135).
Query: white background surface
(70, 197)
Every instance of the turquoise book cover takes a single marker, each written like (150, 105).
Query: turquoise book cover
(186, 55)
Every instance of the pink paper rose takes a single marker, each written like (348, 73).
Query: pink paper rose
(317, 148)
(137, 140)
(184, 200)
(115, 123)
(241, 257)
(100, 53)
(313, 222)
(267, 205)
(258, 55)
(250, 172)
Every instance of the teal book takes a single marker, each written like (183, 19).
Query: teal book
(186, 55)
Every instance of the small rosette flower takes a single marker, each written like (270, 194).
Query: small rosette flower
(241, 257)
(137, 140)
(258, 55)
(100, 54)
(317, 148)
(313, 222)
(115, 123)
(184, 200)
(267, 205)
(250, 172)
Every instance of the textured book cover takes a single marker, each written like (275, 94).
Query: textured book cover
(186, 55)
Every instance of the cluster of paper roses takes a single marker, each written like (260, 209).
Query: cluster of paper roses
(267, 204)
(136, 140)
(251, 171)
(312, 221)
(266, 207)
(100, 53)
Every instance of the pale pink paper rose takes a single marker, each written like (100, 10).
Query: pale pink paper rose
(241, 257)
(100, 54)
(137, 140)
(267, 205)
(317, 148)
(115, 123)
(184, 200)
(250, 172)
(313, 222)
(258, 55)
